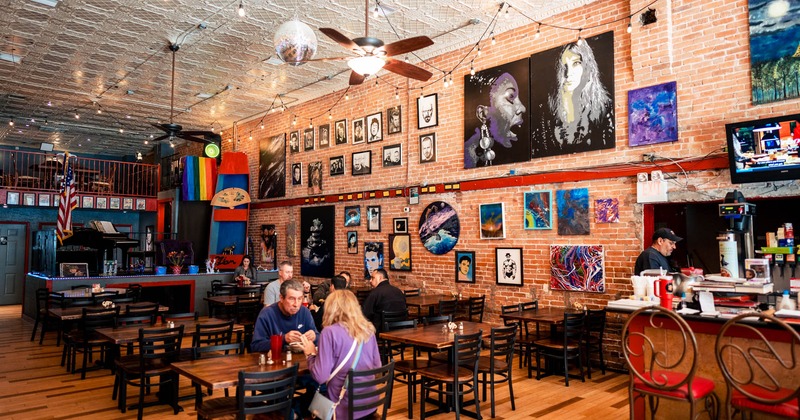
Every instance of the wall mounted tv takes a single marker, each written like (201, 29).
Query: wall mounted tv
(764, 150)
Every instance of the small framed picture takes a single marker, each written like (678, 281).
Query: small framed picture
(393, 155)
(101, 203)
(362, 163)
(337, 165)
(373, 218)
(358, 131)
(352, 242)
(492, 221)
(127, 203)
(56, 199)
(44, 200)
(413, 195)
(465, 266)
(74, 269)
(508, 262)
(427, 148)
(12, 198)
(374, 127)
(141, 204)
(400, 225)
(340, 132)
(400, 252)
(352, 216)
(428, 111)
(315, 175)
(538, 212)
(308, 139)
(297, 174)
(29, 199)
(113, 203)
(294, 141)
(87, 202)
(394, 120)
(324, 135)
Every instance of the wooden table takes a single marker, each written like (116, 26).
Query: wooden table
(73, 313)
(225, 300)
(432, 336)
(83, 294)
(129, 334)
(549, 315)
(429, 301)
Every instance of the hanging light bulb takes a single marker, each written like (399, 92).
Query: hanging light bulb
(330, 116)
(99, 111)
(121, 131)
(397, 93)
(472, 68)
(311, 123)
(538, 32)
(77, 116)
(251, 136)
(11, 123)
(406, 59)
(262, 126)
(421, 93)
(346, 97)
(294, 121)
(445, 80)
(151, 136)
(376, 13)
(146, 142)
(493, 40)
(241, 9)
(630, 27)
(213, 129)
(479, 51)
(580, 38)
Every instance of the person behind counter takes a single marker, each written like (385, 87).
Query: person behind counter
(245, 271)
(655, 257)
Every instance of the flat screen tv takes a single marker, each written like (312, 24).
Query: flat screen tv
(764, 150)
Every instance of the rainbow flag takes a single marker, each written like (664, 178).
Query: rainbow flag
(199, 178)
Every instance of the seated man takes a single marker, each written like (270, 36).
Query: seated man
(317, 307)
(288, 317)
(383, 297)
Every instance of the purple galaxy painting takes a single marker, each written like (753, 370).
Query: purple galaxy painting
(439, 227)
(653, 114)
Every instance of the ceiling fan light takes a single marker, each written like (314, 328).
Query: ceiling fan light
(366, 65)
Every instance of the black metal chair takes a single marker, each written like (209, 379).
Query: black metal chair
(406, 370)
(453, 381)
(257, 393)
(448, 307)
(245, 313)
(392, 349)
(498, 365)
(569, 346)
(593, 338)
(86, 340)
(370, 389)
(474, 309)
(42, 312)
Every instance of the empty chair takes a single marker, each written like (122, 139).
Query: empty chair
(569, 346)
(406, 370)
(474, 309)
(453, 381)
(134, 290)
(448, 307)
(104, 183)
(86, 340)
(142, 309)
(180, 316)
(392, 349)
(99, 297)
(523, 346)
(370, 390)
(42, 312)
(593, 338)
(245, 313)
(361, 295)
(257, 393)
(498, 365)
(438, 319)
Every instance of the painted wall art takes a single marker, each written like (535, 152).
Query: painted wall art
(352, 216)
(269, 247)
(428, 111)
(352, 242)
(573, 211)
(373, 258)
(465, 266)
(317, 235)
(538, 213)
(297, 174)
(374, 127)
(439, 228)
(291, 239)
(272, 167)
(315, 175)
(774, 49)
(340, 132)
(653, 114)
(508, 265)
(606, 210)
(373, 218)
(492, 221)
(400, 252)
(577, 268)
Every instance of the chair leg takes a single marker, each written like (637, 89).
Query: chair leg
(422, 398)
(588, 361)
(511, 391)
(602, 359)
(411, 394)
(35, 325)
(566, 370)
(491, 389)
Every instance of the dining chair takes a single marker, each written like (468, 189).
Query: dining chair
(413, 312)
(412, 292)
(42, 311)
(455, 380)
(437, 319)
(392, 349)
(665, 367)
(134, 290)
(568, 346)
(499, 364)
(245, 313)
(474, 309)
(593, 338)
(759, 371)
(257, 393)
(99, 297)
(361, 295)
(180, 316)
(85, 340)
(129, 320)
(448, 307)
(21, 180)
(104, 183)
(370, 389)
(142, 309)
(406, 370)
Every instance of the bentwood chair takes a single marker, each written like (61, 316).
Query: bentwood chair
(664, 366)
(258, 393)
(369, 390)
(757, 369)
(498, 365)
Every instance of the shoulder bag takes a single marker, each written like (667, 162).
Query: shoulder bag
(322, 407)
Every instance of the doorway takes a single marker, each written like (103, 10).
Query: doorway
(13, 243)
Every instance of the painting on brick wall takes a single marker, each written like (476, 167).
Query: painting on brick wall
(272, 167)
(317, 233)
(538, 210)
(572, 98)
(573, 211)
(577, 268)
(400, 252)
(774, 50)
(653, 114)
(496, 122)
(606, 210)
(439, 228)
(373, 258)
(269, 247)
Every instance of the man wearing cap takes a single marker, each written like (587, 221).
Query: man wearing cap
(664, 241)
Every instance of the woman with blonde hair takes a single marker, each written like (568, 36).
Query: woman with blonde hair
(344, 325)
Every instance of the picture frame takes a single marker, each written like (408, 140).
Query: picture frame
(352, 242)
(413, 195)
(492, 220)
(374, 127)
(308, 139)
(538, 210)
(361, 163)
(87, 202)
(393, 155)
(400, 225)
(29, 199)
(127, 203)
(400, 252)
(141, 204)
(358, 131)
(12, 198)
(294, 141)
(336, 165)
(315, 175)
(508, 265)
(73, 269)
(427, 148)
(352, 216)
(101, 203)
(44, 200)
(373, 218)
(465, 266)
(113, 203)
(56, 199)
(324, 135)
(297, 173)
(394, 120)
(428, 111)
(577, 268)
(340, 132)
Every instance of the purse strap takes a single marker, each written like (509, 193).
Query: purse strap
(355, 362)
(346, 358)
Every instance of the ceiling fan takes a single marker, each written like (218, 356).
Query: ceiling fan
(173, 130)
(373, 55)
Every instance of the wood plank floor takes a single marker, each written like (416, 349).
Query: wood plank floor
(34, 386)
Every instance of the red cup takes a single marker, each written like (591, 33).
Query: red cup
(663, 290)
(276, 344)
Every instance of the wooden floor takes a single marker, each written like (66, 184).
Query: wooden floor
(34, 386)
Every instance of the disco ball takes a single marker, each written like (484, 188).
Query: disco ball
(295, 42)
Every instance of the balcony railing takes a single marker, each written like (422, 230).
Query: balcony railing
(21, 170)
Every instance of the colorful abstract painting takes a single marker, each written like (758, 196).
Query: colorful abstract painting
(606, 210)
(538, 210)
(573, 211)
(577, 268)
(400, 252)
(439, 228)
(653, 114)
(774, 50)
(272, 167)
(492, 221)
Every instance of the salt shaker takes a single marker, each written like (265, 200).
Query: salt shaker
(269, 358)
(460, 325)
(171, 324)
(262, 360)
(289, 356)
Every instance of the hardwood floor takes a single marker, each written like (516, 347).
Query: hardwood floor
(33, 385)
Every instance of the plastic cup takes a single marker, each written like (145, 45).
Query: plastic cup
(276, 344)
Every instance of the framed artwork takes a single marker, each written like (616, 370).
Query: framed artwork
(318, 240)
(29, 199)
(358, 131)
(101, 203)
(577, 268)
(773, 44)
(87, 202)
(340, 132)
(352, 242)
(324, 135)
(428, 111)
(272, 166)
(294, 141)
(400, 252)
(12, 198)
(373, 258)
(393, 155)
(337, 165)
(269, 247)
(352, 216)
(127, 204)
(141, 204)
(606, 210)
(394, 120)
(492, 221)
(427, 148)
(291, 239)
(315, 175)
(439, 228)
(362, 163)
(374, 127)
(465, 266)
(573, 211)
(653, 114)
(508, 262)
(400, 225)
(297, 174)
(413, 195)
(44, 199)
(538, 213)
(373, 218)
(113, 203)
(56, 199)
(308, 139)
(74, 270)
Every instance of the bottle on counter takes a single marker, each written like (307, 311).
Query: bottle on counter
(786, 302)
(683, 301)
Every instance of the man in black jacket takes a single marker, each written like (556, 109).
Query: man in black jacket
(383, 297)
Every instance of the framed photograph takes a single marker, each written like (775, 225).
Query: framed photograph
(29, 199)
(400, 225)
(113, 203)
(373, 218)
(324, 135)
(538, 212)
(340, 132)
(56, 199)
(394, 120)
(315, 175)
(44, 200)
(508, 262)
(141, 204)
(352, 216)
(12, 198)
(428, 111)
(74, 270)
(294, 141)
(101, 203)
(352, 242)
(337, 165)
(465, 266)
(393, 155)
(373, 258)
(400, 252)
(427, 148)
(127, 203)
(308, 139)
(362, 163)
(413, 195)
(297, 174)
(87, 202)
(492, 219)
(358, 131)
(374, 127)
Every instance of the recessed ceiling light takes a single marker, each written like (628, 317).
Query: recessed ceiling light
(204, 95)
(14, 58)
(51, 3)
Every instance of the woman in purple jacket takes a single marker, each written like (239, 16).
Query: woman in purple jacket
(344, 322)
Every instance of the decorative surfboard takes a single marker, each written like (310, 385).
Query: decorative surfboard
(231, 211)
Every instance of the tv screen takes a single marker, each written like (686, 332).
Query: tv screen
(764, 150)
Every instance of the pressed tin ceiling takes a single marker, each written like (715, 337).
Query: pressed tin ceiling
(81, 56)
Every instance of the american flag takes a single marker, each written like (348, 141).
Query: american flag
(67, 202)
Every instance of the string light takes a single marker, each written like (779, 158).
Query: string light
(397, 93)
(376, 13)
(479, 51)
(630, 27)
(538, 32)
(251, 136)
(262, 126)
(294, 120)
(421, 93)
(580, 38)
(11, 123)
(330, 116)
(77, 116)
(121, 131)
(99, 111)
(241, 9)
(472, 68)
(346, 97)
(493, 40)
(311, 123)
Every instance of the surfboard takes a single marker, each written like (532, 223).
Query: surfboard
(227, 241)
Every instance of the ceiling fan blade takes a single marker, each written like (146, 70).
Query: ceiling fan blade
(203, 133)
(342, 40)
(407, 45)
(408, 70)
(159, 126)
(356, 79)
(326, 59)
(188, 137)
(159, 138)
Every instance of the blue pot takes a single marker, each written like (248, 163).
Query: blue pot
(161, 270)
(193, 269)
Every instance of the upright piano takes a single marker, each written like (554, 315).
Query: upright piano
(99, 240)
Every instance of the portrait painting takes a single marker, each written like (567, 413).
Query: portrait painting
(74, 269)
(492, 221)
(400, 225)
(578, 268)
(606, 210)
(361, 163)
(573, 211)
(324, 136)
(465, 266)
(427, 148)
(393, 155)
(358, 131)
(394, 120)
(317, 236)
(496, 121)
(374, 127)
(373, 258)
(113, 203)
(653, 114)
(572, 101)
(439, 228)
(272, 166)
(269, 247)
(373, 218)
(294, 141)
(538, 212)
(508, 265)
(297, 174)
(315, 175)
(774, 46)
(352, 216)
(340, 132)
(428, 111)
(337, 165)
(352, 242)
(400, 252)
(308, 139)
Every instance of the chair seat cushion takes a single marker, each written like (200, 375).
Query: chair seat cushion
(485, 364)
(444, 373)
(788, 409)
(550, 343)
(217, 407)
(701, 387)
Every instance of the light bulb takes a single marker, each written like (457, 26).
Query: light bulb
(121, 131)
(630, 28)
(538, 32)
(310, 124)
(330, 116)
(376, 13)
(397, 93)
(471, 69)
(251, 137)
(346, 97)
(77, 117)
(262, 126)
(146, 142)
(99, 111)
(479, 51)
(493, 40)
(241, 10)
(11, 123)
(421, 93)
